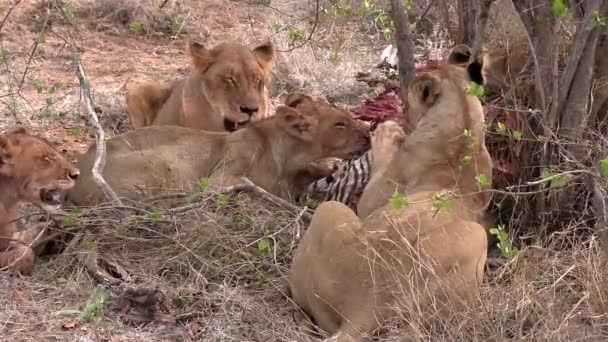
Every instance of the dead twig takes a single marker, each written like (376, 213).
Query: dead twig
(8, 14)
(483, 14)
(100, 142)
(312, 30)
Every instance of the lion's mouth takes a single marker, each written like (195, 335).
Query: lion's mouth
(232, 126)
(50, 197)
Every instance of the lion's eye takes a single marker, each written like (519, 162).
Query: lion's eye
(340, 125)
(230, 81)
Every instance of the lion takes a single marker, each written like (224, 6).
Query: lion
(423, 248)
(270, 152)
(225, 90)
(31, 170)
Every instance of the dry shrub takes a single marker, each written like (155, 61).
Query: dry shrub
(115, 16)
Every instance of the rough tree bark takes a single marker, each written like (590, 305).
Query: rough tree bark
(467, 21)
(405, 47)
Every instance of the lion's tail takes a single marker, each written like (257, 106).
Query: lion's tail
(144, 101)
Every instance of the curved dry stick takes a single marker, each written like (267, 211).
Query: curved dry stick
(100, 142)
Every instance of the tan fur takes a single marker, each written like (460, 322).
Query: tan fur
(349, 272)
(270, 152)
(228, 82)
(31, 171)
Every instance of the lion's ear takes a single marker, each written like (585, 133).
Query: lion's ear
(459, 55)
(295, 123)
(426, 88)
(294, 99)
(18, 130)
(265, 54)
(201, 57)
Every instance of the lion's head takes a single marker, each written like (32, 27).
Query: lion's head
(339, 133)
(496, 68)
(34, 170)
(234, 80)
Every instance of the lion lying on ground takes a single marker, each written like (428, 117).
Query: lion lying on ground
(270, 152)
(423, 250)
(225, 90)
(33, 171)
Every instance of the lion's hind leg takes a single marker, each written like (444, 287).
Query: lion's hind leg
(144, 101)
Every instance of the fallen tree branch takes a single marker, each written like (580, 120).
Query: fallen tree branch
(598, 201)
(249, 186)
(100, 142)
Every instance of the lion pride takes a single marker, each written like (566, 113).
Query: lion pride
(225, 90)
(32, 171)
(423, 253)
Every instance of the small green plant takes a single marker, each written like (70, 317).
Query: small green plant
(94, 307)
(68, 11)
(295, 35)
(137, 27)
(558, 7)
(502, 129)
(74, 131)
(504, 244)
(276, 26)
(155, 215)
(466, 160)
(398, 201)
(441, 202)
(517, 135)
(555, 181)
(475, 89)
(70, 220)
(177, 22)
(482, 180)
(471, 138)
(313, 204)
(223, 199)
(262, 247)
(204, 183)
(3, 57)
(598, 19)
(603, 168)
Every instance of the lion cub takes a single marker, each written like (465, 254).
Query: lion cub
(270, 152)
(32, 171)
(225, 90)
(421, 254)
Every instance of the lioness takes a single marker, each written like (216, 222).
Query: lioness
(225, 90)
(424, 249)
(33, 171)
(270, 152)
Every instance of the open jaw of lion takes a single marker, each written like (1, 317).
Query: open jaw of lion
(270, 152)
(421, 254)
(31, 170)
(225, 91)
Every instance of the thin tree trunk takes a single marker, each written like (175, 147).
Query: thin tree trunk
(405, 47)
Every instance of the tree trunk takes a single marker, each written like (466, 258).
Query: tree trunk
(405, 47)
(467, 21)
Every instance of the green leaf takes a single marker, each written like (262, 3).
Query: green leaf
(95, 304)
(475, 89)
(398, 201)
(558, 7)
(204, 183)
(155, 216)
(501, 129)
(517, 135)
(482, 180)
(604, 168)
(466, 160)
(263, 245)
(554, 181)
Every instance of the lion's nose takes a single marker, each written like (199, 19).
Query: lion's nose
(73, 174)
(249, 111)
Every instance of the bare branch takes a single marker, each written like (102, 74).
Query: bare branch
(8, 14)
(100, 142)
